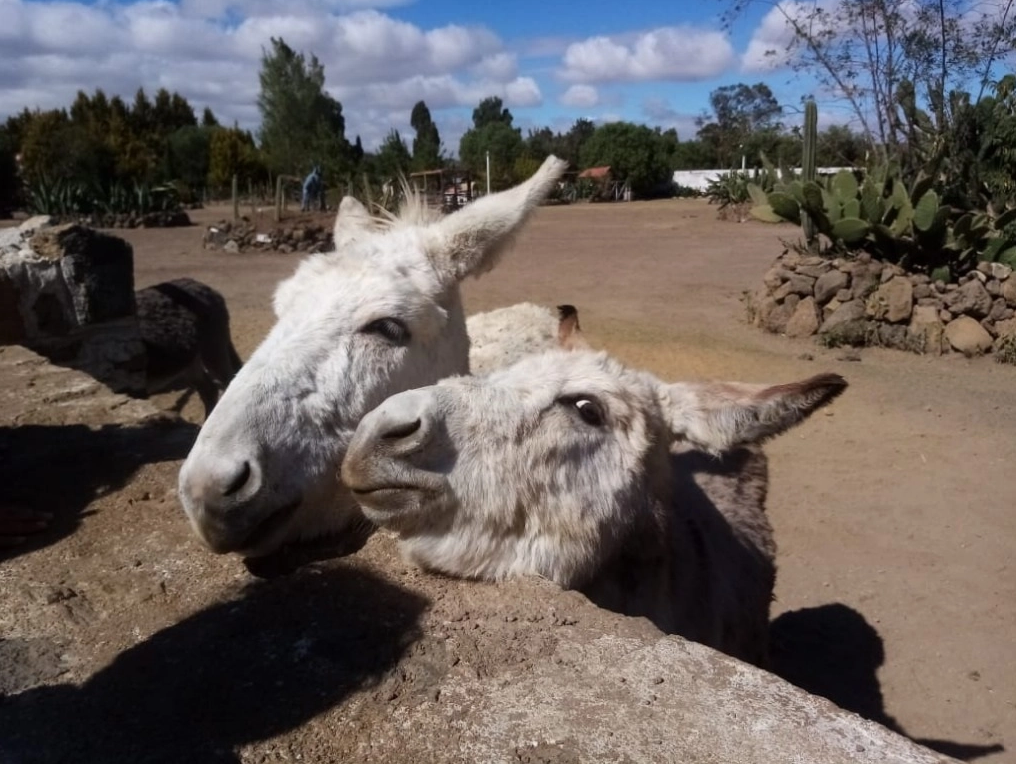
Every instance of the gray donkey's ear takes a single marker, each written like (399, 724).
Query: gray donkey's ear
(718, 416)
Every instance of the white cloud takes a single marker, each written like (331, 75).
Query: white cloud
(772, 44)
(210, 52)
(500, 66)
(440, 92)
(581, 96)
(669, 53)
(659, 112)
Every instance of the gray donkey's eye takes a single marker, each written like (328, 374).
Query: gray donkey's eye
(590, 410)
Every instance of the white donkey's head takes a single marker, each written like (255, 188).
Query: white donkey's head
(379, 315)
(544, 467)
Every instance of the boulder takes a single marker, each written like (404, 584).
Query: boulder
(97, 269)
(999, 271)
(845, 313)
(799, 285)
(970, 299)
(12, 325)
(829, 284)
(776, 321)
(1009, 291)
(34, 224)
(69, 295)
(967, 336)
(814, 271)
(865, 279)
(892, 336)
(805, 320)
(1006, 328)
(998, 310)
(893, 301)
(926, 331)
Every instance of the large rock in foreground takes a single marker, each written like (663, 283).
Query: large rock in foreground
(133, 644)
(68, 292)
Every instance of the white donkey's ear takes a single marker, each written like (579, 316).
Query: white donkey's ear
(471, 240)
(351, 220)
(719, 416)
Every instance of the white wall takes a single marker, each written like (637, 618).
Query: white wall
(699, 179)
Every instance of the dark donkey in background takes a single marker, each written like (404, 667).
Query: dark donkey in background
(185, 328)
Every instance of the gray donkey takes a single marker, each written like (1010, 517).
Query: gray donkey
(185, 328)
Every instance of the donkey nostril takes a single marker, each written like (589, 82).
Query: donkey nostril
(239, 481)
(402, 430)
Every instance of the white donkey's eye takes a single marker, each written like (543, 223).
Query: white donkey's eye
(590, 411)
(392, 329)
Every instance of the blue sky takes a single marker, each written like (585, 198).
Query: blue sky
(551, 62)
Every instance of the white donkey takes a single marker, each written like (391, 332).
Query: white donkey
(381, 314)
(649, 497)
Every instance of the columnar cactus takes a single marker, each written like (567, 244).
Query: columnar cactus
(810, 134)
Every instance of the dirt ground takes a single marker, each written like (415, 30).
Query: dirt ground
(893, 510)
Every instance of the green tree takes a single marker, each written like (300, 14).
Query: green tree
(188, 156)
(504, 143)
(208, 118)
(232, 152)
(427, 143)
(744, 121)
(636, 154)
(170, 112)
(541, 143)
(491, 110)
(55, 147)
(839, 146)
(393, 157)
(571, 143)
(301, 124)
(695, 155)
(356, 153)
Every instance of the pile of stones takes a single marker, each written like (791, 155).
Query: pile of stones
(242, 236)
(861, 301)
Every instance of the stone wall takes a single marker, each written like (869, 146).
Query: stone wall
(243, 236)
(866, 302)
(67, 292)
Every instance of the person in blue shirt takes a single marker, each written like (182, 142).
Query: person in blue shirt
(312, 187)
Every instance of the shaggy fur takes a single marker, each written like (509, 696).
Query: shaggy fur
(185, 328)
(381, 314)
(499, 338)
(572, 467)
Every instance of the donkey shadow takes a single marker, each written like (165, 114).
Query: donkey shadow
(61, 469)
(833, 651)
(236, 673)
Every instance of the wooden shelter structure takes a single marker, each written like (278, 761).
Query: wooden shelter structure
(444, 188)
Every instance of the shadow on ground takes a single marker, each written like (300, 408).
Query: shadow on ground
(63, 468)
(834, 652)
(239, 672)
